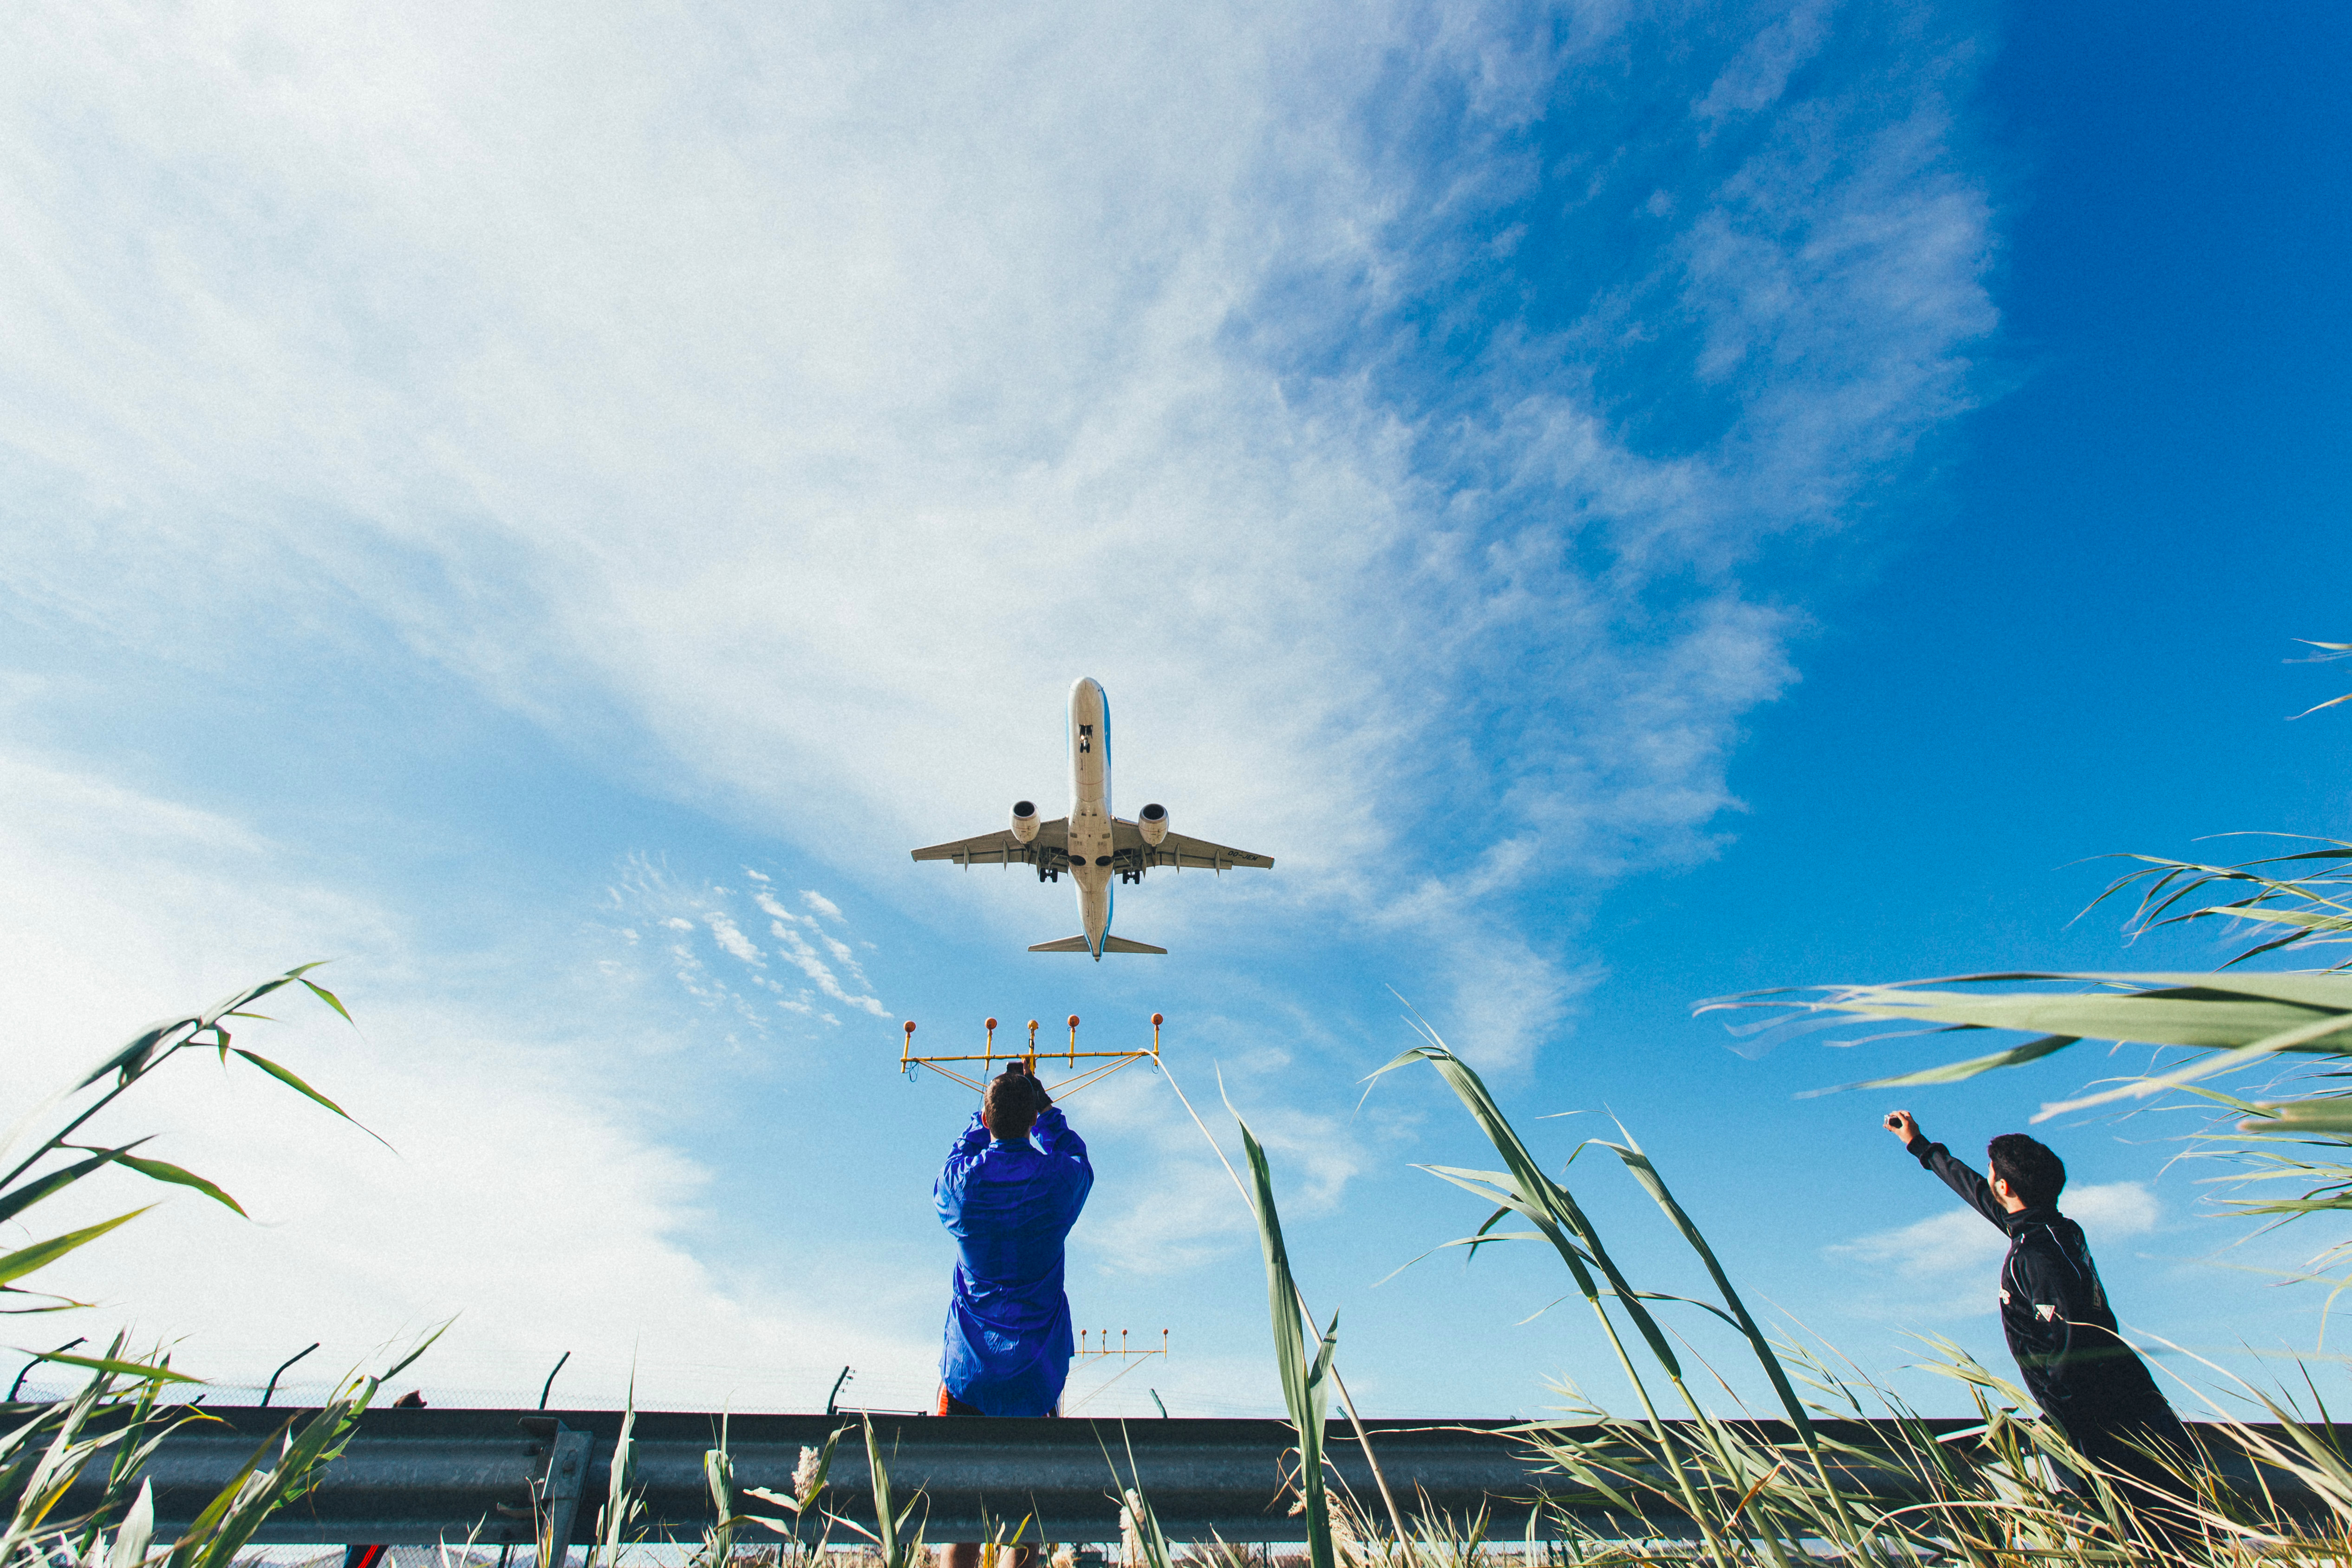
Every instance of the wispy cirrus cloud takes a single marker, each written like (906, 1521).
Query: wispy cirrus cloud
(697, 927)
(1422, 419)
(1416, 391)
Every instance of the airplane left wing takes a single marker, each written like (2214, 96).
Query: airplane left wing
(1176, 850)
(1050, 848)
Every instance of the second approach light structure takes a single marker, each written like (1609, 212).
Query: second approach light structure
(1093, 847)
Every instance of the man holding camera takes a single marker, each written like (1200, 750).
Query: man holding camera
(1009, 1204)
(2055, 1316)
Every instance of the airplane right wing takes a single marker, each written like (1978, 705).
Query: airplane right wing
(1174, 850)
(1050, 848)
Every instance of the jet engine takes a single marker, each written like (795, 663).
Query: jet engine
(1024, 821)
(1152, 824)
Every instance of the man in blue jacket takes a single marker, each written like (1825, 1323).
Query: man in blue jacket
(1009, 1204)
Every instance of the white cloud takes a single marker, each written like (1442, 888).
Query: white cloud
(1955, 1241)
(1173, 1206)
(736, 372)
(779, 406)
(523, 1194)
(1760, 73)
(1954, 1255)
(730, 936)
(2114, 1210)
(645, 889)
(797, 951)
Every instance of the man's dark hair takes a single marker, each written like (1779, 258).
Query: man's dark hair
(2033, 1171)
(1012, 1104)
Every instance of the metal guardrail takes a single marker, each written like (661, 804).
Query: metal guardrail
(417, 1476)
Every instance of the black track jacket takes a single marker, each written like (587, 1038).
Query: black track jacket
(2055, 1313)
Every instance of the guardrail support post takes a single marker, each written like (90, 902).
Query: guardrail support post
(558, 1486)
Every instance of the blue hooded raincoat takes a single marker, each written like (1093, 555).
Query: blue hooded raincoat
(1009, 1205)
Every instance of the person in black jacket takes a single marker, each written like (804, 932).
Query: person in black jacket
(2054, 1314)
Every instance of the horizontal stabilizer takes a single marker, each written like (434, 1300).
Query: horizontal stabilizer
(1110, 944)
(1121, 944)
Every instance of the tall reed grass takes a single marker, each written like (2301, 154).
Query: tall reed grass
(1805, 1482)
(114, 1421)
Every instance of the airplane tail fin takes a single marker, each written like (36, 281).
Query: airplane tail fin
(1110, 944)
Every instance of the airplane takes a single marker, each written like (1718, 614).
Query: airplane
(1091, 844)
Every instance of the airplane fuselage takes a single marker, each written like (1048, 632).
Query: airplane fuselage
(1091, 821)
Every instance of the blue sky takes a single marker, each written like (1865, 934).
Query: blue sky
(1626, 506)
